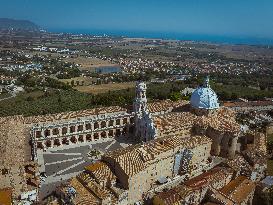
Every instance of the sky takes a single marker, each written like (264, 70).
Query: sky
(253, 18)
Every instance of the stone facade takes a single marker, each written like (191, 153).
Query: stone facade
(140, 168)
(82, 130)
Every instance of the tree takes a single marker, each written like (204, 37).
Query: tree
(72, 83)
(175, 96)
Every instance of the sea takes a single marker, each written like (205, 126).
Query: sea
(222, 39)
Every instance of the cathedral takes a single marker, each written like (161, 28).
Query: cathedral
(187, 152)
(183, 150)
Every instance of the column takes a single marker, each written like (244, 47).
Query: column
(84, 138)
(68, 129)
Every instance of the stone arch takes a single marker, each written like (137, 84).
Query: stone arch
(88, 137)
(47, 132)
(118, 122)
(80, 128)
(111, 123)
(96, 136)
(55, 131)
(111, 133)
(57, 142)
(38, 134)
(65, 141)
(72, 129)
(81, 138)
(125, 121)
(96, 125)
(103, 134)
(73, 139)
(88, 126)
(40, 145)
(48, 143)
(64, 130)
(103, 124)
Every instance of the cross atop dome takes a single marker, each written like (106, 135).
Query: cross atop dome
(206, 82)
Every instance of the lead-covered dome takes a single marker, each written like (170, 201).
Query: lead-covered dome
(204, 97)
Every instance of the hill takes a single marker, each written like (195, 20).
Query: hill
(6, 23)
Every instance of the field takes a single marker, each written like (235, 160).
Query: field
(104, 88)
(89, 87)
(88, 63)
(86, 80)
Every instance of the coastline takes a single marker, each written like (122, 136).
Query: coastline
(156, 35)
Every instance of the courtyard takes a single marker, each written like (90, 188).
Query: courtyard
(61, 163)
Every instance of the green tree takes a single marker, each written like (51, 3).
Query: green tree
(175, 96)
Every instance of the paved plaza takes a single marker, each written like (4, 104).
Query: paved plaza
(62, 163)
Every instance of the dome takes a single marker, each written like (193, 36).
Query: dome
(204, 97)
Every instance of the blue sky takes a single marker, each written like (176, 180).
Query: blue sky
(252, 18)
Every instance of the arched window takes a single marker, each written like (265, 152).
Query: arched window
(72, 129)
(88, 126)
(103, 124)
(64, 130)
(111, 122)
(96, 136)
(55, 131)
(96, 125)
(47, 132)
(103, 134)
(80, 128)
(38, 134)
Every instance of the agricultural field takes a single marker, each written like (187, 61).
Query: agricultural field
(104, 88)
(88, 85)
(89, 63)
(85, 81)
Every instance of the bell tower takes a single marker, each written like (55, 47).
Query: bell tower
(140, 103)
(144, 125)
